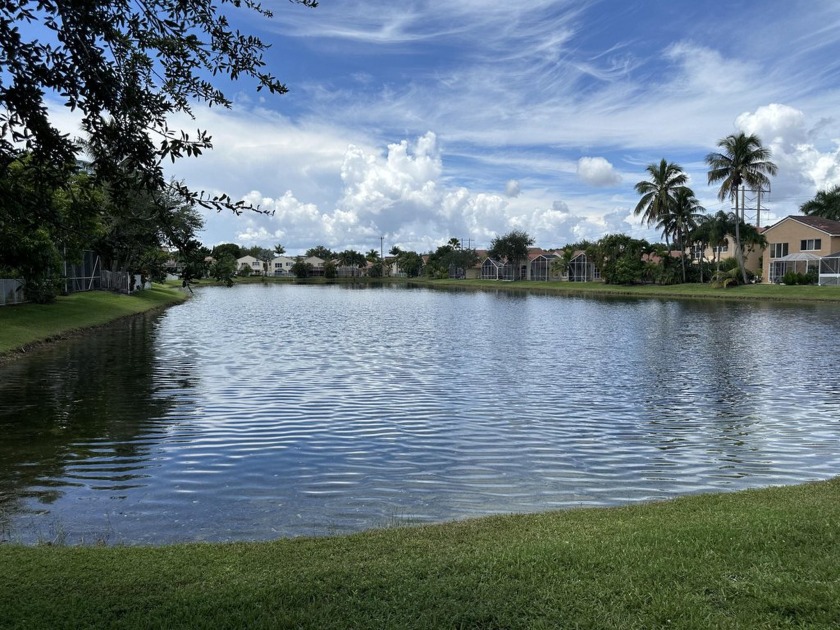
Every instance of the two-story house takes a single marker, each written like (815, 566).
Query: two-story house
(796, 243)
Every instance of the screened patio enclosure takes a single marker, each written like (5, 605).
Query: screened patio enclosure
(541, 267)
(800, 262)
(496, 270)
(581, 269)
(830, 270)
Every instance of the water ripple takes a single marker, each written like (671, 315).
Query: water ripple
(260, 412)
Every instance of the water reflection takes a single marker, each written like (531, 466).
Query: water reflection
(267, 411)
(79, 415)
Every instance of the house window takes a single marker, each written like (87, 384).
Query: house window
(810, 244)
(778, 250)
(278, 265)
(255, 264)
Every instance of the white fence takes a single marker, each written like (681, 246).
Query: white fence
(87, 275)
(83, 276)
(11, 291)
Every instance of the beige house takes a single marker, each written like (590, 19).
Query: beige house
(796, 243)
(752, 255)
(281, 265)
(317, 265)
(254, 264)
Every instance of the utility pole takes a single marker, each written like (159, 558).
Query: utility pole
(758, 204)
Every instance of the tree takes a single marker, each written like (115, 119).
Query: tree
(410, 263)
(319, 251)
(619, 257)
(681, 219)
(302, 269)
(742, 161)
(511, 248)
(447, 261)
(223, 269)
(711, 231)
(127, 67)
(659, 192)
(351, 258)
(231, 249)
(135, 231)
(279, 250)
(47, 215)
(825, 204)
(561, 265)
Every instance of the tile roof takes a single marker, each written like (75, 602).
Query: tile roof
(818, 223)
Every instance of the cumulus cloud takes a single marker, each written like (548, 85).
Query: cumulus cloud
(806, 160)
(393, 190)
(512, 188)
(597, 171)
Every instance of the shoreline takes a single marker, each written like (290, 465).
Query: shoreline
(688, 291)
(26, 328)
(754, 558)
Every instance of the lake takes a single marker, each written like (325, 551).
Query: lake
(266, 411)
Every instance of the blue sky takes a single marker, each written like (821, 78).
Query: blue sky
(422, 120)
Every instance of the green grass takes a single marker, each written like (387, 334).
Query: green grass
(756, 559)
(27, 324)
(767, 292)
(773, 292)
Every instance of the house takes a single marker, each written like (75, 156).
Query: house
(254, 264)
(797, 243)
(719, 253)
(281, 266)
(317, 265)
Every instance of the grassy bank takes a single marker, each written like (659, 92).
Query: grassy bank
(756, 559)
(28, 324)
(769, 292)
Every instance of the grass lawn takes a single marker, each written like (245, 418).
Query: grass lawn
(765, 558)
(767, 292)
(771, 292)
(26, 324)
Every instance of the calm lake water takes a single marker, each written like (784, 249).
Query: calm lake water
(266, 411)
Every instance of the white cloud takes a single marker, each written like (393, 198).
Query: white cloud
(597, 171)
(806, 160)
(778, 125)
(512, 188)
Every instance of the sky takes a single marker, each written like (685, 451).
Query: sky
(409, 123)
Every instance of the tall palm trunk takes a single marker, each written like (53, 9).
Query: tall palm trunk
(739, 254)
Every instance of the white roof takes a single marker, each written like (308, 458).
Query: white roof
(797, 256)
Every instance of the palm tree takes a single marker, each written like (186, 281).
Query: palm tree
(658, 192)
(742, 161)
(712, 231)
(681, 220)
(825, 204)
